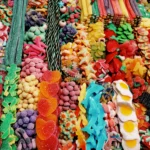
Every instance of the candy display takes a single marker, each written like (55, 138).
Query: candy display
(74, 75)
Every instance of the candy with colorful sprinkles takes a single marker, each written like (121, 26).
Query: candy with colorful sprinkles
(74, 75)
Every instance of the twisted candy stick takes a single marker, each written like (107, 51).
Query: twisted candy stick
(130, 10)
(25, 141)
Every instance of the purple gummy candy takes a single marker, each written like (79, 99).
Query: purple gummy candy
(16, 125)
(18, 114)
(30, 132)
(24, 125)
(26, 120)
(33, 119)
(30, 112)
(23, 113)
(20, 122)
(30, 126)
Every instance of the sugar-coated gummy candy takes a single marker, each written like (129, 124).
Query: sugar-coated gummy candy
(70, 88)
(20, 122)
(16, 125)
(24, 125)
(23, 114)
(30, 112)
(33, 118)
(65, 91)
(26, 120)
(30, 126)
(30, 132)
(45, 129)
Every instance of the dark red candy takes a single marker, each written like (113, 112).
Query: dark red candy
(108, 79)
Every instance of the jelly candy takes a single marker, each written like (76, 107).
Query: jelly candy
(46, 107)
(51, 76)
(45, 129)
(49, 90)
(50, 117)
(49, 144)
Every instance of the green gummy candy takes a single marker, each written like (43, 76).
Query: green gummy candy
(37, 32)
(42, 37)
(41, 29)
(129, 27)
(33, 29)
(30, 34)
(123, 36)
(118, 32)
(131, 37)
(120, 29)
(124, 27)
(127, 32)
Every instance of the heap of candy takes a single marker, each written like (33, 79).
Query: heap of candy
(25, 129)
(10, 100)
(67, 123)
(101, 99)
(68, 97)
(28, 90)
(127, 116)
(46, 123)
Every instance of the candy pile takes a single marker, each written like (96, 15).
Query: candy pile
(46, 123)
(127, 116)
(67, 123)
(69, 93)
(33, 66)
(28, 90)
(35, 31)
(95, 114)
(25, 129)
(10, 100)
(34, 18)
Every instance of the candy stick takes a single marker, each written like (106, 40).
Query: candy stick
(130, 10)
(89, 8)
(123, 8)
(84, 8)
(103, 11)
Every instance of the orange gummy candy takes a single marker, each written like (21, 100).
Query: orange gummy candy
(50, 117)
(49, 90)
(45, 129)
(47, 106)
(49, 144)
(51, 76)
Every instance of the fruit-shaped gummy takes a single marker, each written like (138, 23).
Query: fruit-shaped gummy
(49, 144)
(51, 76)
(45, 129)
(47, 106)
(49, 90)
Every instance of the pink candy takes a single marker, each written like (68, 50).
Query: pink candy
(29, 66)
(68, 98)
(35, 50)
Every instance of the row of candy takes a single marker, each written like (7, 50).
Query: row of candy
(47, 121)
(5, 21)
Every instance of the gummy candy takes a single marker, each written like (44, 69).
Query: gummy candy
(45, 129)
(47, 106)
(50, 117)
(49, 144)
(49, 90)
(51, 76)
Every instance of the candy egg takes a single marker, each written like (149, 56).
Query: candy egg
(66, 98)
(63, 9)
(74, 98)
(61, 102)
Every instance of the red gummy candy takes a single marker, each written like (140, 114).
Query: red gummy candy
(49, 144)
(109, 33)
(112, 45)
(47, 106)
(52, 117)
(117, 64)
(45, 129)
(110, 57)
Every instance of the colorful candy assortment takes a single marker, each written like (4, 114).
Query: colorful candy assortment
(100, 97)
